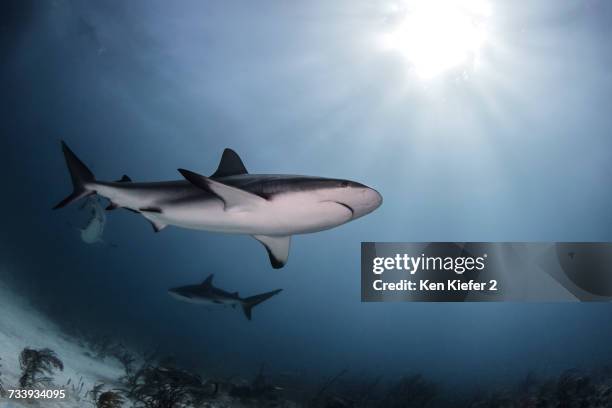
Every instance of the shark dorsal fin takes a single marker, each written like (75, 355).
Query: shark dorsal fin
(124, 179)
(230, 165)
(208, 281)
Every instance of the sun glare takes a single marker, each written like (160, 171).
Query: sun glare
(437, 35)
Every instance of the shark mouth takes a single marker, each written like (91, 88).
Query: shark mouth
(348, 207)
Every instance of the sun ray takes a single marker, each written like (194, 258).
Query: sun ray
(435, 36)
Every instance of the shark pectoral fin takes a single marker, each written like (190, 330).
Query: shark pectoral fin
(277, 247)
(233, 198)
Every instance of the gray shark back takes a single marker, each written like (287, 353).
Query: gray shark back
(263, 185)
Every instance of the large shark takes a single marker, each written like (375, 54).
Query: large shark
(270, 207)
(206, 293)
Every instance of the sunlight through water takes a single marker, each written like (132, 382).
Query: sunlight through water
(435, 36)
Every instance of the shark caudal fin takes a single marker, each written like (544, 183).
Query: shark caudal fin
(249, 303)
(80, 175)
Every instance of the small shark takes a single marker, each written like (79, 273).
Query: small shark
(206, 293)
(269, 207)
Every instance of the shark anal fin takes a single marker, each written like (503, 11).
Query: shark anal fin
(233, 198)
(157, 226)
(149, 213)
(277, 247)
(230, 165)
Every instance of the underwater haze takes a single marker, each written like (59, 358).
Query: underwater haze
(514, 148)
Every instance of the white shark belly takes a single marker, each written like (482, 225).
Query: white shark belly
(197, 301)
(283, 215)
(286, 214)
(302, 213)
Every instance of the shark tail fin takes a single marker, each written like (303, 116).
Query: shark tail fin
(249, 303)
(80, 175)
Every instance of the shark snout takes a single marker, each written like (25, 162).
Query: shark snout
(364, 200)
(373, 197)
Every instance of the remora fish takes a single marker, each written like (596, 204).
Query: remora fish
(206, 293)
(271, 208)
(92, 232)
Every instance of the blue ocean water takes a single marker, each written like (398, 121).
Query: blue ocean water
(517, 151)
